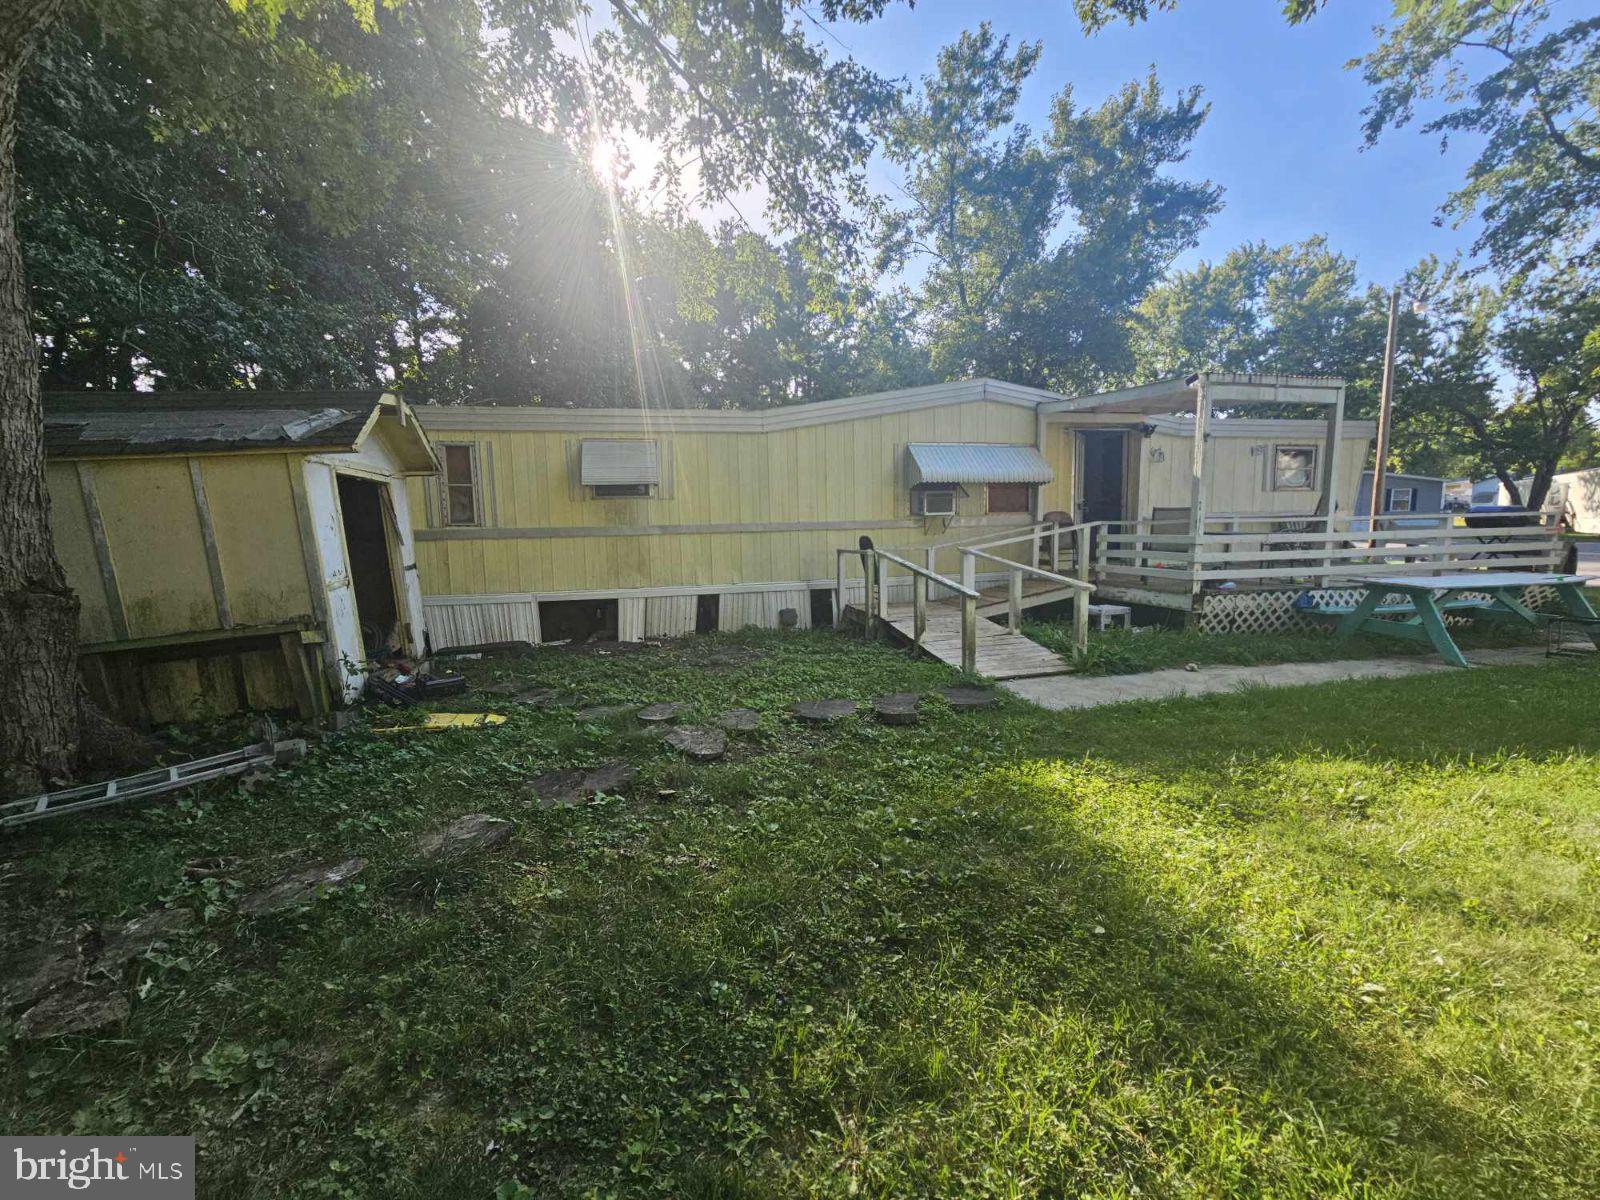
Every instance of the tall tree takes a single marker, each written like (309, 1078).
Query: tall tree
(1525, 82)
(1297, 309)
(38, 612)
(742, 89)
(1546, 341)
(1033, 248)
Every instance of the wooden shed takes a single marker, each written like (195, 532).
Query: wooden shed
(235, 550)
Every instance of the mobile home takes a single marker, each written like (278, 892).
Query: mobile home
(548, 521)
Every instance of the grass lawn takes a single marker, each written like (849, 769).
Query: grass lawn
(1118, 651)
(1330, 942)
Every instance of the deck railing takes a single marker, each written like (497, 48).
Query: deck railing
(1079, 590)
(1265, 549)
(875, 568)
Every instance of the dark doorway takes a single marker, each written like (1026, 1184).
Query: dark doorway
(1103, 490)
(367, 541)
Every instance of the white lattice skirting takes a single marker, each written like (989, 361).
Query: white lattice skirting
(1274, 612)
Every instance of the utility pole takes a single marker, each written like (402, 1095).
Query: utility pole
(1385, 402)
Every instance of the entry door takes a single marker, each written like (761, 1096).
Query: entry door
(1102, 453)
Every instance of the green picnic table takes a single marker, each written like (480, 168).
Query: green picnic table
(1419, 616)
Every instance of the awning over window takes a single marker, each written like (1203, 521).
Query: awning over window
(975, 462)
(618, 461)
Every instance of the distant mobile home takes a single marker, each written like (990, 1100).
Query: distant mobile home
(1403, 493)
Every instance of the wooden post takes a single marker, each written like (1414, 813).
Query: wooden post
(1055, 547)
(1197, 478)
(919, 610)
(869, 599)
(969, 571)
(1080, 623)
(1084, 540)
(1014, 596)
(930, 559)
(1328, 505)
(969, 634)
(883, 592)
(838, 595)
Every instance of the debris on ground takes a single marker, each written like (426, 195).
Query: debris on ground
(403, 685)
(823, 712)
(477, 720)
(739, 720)
(211, 867)
(153, 782)
(698, 741)
(897, 708)
(302, 886)
(569, 786)
(473, 833)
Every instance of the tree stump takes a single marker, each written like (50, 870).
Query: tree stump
(897, 708)
(698, 742)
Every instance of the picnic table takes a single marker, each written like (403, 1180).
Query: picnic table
(1419, 615)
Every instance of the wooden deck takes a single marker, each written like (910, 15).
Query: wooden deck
(1001, 654)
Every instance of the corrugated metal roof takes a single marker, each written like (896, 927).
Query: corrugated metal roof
(619, 461)
(975, 462)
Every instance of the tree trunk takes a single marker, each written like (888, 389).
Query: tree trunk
(38, 612)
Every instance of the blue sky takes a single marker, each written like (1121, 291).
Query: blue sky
(1284, 134)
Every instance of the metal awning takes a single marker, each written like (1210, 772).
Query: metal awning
(975, 462)
(615, 460)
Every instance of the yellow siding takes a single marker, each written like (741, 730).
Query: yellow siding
(148, 509)
(69, 525)
(258, 536)
(1239, 479)
(839, 473)
(153, 535)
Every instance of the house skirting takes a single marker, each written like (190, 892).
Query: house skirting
(645, 612)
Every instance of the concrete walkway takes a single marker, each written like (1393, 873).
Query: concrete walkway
(1063, 692)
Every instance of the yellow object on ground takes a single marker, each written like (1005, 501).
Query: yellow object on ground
(449, 721)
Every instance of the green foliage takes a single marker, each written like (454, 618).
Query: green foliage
(1278, 943)
(1525, 84)
(1008, 290)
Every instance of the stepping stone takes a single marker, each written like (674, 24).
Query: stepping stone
(471, 834)
(823, 712)
(897, 708)
(139, 934)
(699, 742)
(968, 697)
(604, 712)
(740, 720)
(655, 714)
(75, 1009)
(41, 969)
(569, 786)
(302, 887)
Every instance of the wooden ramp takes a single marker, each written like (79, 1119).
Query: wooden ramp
(1001, 653)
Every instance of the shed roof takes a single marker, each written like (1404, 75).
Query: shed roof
(975, 462)
(100, 424)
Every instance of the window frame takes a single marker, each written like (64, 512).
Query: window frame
(1389, 494)
(1311, 468)
(474, 485)
(1027, 499)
